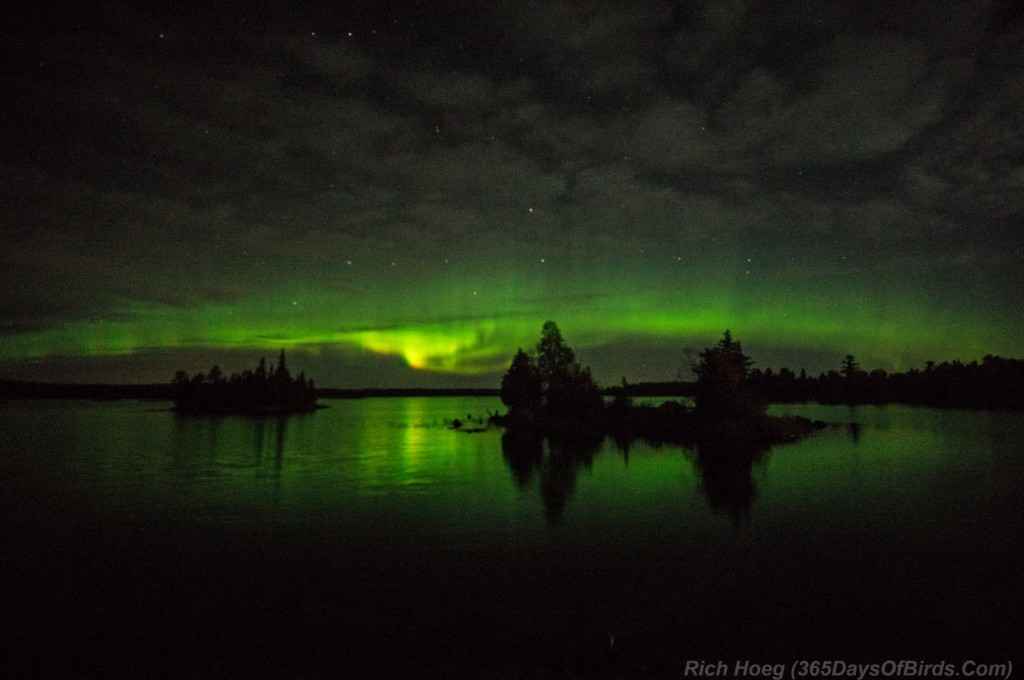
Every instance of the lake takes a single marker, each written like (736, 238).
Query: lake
(369, 539)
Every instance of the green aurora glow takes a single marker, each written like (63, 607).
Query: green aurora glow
(398, 210)
(473, 328)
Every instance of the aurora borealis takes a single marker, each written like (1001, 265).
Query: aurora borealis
(400, 194)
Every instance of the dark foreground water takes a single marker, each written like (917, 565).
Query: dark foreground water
(368, 540)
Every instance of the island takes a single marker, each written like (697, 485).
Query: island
(554, 396)
(265, 390)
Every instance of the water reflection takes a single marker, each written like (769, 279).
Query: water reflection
(726, 476)
(205, 449)
(192, 544)
(725, 468)
(560, 470)
(280, 426)
(222, 435)
(853, 429)
(524, 452)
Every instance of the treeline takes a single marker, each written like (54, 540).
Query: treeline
(995, 383)
(992, 383)
(553, 395)
(263, 390)
(22, 389)
(554, 385)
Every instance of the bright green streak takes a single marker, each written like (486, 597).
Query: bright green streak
(471, 325)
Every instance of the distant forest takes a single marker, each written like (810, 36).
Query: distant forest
(993, 383)
(263, 390)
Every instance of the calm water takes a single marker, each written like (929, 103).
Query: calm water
(370, 540)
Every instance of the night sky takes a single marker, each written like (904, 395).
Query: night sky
(400, 194)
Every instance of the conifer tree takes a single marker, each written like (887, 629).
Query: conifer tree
(722, 386)
(521, 386)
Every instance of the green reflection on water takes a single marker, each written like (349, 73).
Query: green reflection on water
(793, 550)
(395, 465)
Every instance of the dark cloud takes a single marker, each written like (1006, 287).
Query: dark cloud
(141, 145)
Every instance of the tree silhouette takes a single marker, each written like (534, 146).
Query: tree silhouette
(722, 388)
(569, 389)
(521, 386)
(850, 367)
(555, 359)
(566, 389)
(259, 391)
